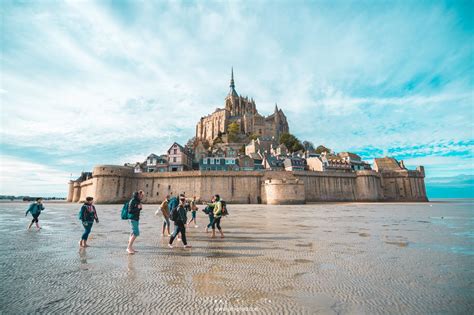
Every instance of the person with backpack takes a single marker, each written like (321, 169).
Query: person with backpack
(193, 209)
(166, 215)
(209, 210)
(35, 210)
(178, 215)
(134, 209)
(173, 204)
(217, 211)
(87, 215)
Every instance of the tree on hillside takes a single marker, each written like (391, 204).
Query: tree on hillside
(320, 149)
(233, 130)
(291, 142)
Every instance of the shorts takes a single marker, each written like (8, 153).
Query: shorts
(134, 227)
(193, 214)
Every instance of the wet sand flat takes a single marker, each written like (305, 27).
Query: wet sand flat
(343, 258)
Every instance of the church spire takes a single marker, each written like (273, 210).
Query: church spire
(232, 91)
(276, 108)
(232, 85)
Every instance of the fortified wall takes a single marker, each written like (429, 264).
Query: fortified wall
(116, 184)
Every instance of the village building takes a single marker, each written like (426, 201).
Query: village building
(218, 164)
(179, 158)
(246, 163)
(272, 163)
(294, 164)
(327, 162)
(355, 161)
(279, 150)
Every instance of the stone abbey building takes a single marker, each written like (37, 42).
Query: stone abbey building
(242, 111)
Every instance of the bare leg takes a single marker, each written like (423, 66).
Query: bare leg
(222, 233)
(213, 233)
(29, 226)
(130, 249)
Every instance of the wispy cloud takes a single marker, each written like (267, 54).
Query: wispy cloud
(84, 83)
(23, 177)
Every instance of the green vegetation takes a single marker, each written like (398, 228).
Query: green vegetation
(291, 142)
(320, 149)
(233, 131)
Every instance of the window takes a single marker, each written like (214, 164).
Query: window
(211, 160)
(175, 151)
(204, 161)
(174, 159)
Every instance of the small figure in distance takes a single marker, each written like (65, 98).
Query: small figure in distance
(217, 206)
(166, 216)
(135, 206)
(35, 210)
(87, 215)
(194, 209)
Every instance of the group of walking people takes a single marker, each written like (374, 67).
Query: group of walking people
(173, 208)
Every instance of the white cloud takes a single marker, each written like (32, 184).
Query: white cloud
(19, 177)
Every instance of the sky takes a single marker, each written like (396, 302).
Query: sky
(84, 83)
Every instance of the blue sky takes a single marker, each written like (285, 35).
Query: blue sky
(108, 82)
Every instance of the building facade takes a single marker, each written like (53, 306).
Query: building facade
(179, 159)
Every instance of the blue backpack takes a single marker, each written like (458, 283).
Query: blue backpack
(125, 207)
(173, 208)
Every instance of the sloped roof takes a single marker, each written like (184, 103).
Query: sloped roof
(353, 156)
(387, 164)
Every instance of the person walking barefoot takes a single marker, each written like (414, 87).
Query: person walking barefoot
(194, 209)
(180, 220)
(209, 210)
(35, 210)
(217, 205)
(135, 206)
(87, 215)
(166, 216)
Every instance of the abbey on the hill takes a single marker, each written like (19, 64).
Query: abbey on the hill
(242, 111)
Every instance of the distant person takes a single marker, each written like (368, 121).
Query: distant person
(166, 215)
(178, 215)
(217, 211)
(87, 215)
(173, 204)
(193, 208)
(35, 210)
(209, 210)
(134, 208)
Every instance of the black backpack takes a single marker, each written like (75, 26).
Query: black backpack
(174, 214)
(225, 211)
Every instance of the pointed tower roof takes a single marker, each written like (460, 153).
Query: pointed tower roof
(276, 108)
(232, 91)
